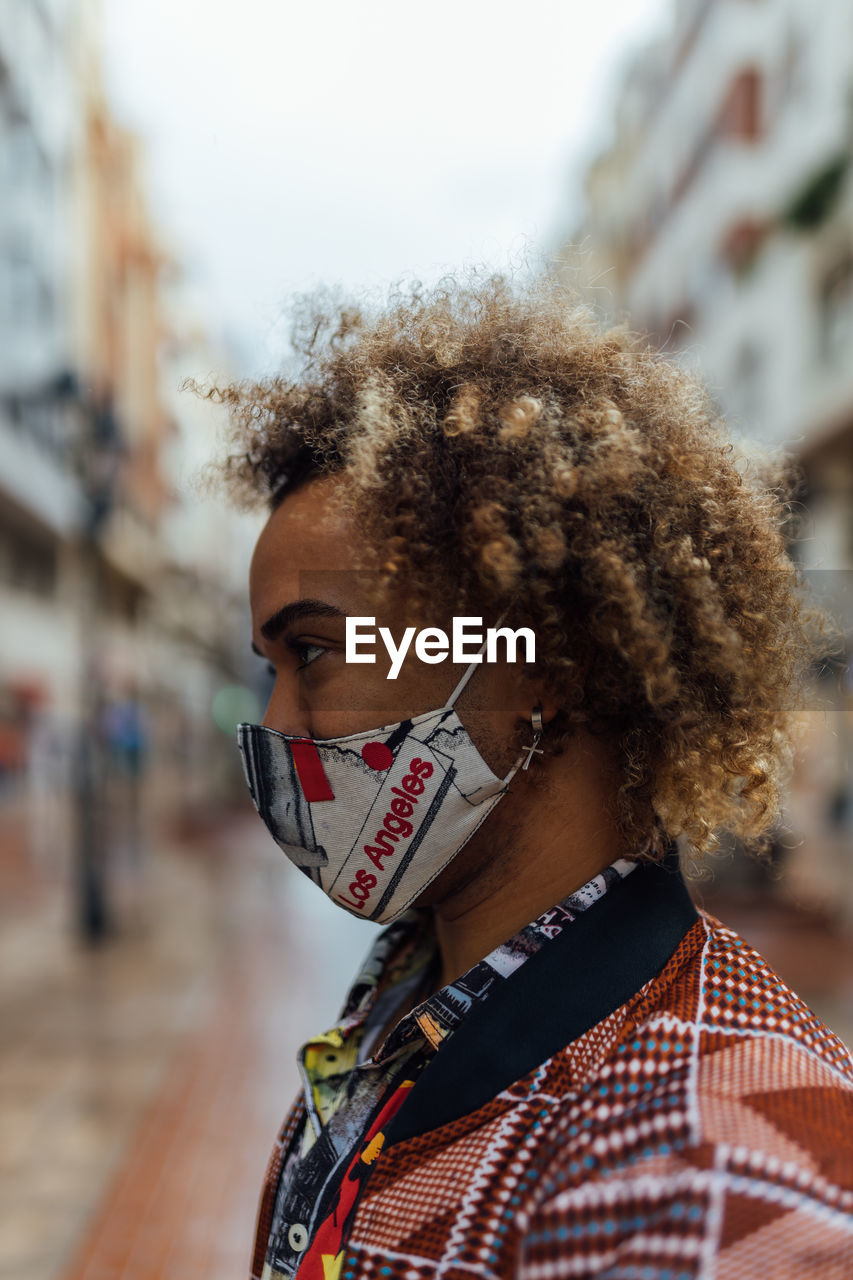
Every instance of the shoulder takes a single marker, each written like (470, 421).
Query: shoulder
(758, 1045)
(727, 1000)
(772, 1085)
(718, 1019)
(726, 1051)
(717, 1109)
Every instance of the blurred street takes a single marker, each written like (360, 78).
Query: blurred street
(142, 1082)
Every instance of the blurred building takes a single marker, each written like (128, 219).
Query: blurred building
(720, 217)
(39, 497)
(121, 592)
(719, 221)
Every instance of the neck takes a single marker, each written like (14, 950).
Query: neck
(550, 834)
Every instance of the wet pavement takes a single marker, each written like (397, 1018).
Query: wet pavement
(141, 1083)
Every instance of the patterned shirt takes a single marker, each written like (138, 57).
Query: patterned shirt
(351, 1094)
(644, 1100)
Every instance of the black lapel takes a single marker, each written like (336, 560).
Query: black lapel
(595, 965)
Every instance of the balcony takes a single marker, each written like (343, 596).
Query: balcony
(34, 478)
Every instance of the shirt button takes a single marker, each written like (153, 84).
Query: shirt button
(297, 1237)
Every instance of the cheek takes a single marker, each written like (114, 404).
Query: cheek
(362, 695)
(355, 699)
(501, 752)
(488, 708)
(496, 736)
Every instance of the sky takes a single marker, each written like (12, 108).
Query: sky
(295, 144)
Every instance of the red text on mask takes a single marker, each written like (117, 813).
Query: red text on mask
(395, 826)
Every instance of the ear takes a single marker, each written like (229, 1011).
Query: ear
(548, 705)
(532, 692)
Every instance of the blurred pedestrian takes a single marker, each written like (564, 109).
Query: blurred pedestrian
(12, 743)
(122, 727)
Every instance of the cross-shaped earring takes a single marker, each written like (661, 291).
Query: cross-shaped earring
(535, 749)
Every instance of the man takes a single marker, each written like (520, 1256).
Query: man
(550, 1064)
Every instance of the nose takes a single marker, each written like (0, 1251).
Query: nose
(284, 712)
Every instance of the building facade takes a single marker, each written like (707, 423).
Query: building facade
(39, 498)
(719, 221)
(122, 601)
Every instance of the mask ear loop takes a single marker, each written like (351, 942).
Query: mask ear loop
(535, 715)
(475, 662)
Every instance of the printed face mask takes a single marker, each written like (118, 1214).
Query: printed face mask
(373, 817)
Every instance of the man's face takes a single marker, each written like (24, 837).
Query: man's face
(307, 575)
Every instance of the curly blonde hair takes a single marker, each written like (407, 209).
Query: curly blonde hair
(504, 451)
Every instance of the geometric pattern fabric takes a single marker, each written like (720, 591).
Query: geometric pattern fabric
(704, 1129)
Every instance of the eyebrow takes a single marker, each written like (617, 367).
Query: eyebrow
(295, 612)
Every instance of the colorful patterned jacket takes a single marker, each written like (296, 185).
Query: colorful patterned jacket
(644, 1100)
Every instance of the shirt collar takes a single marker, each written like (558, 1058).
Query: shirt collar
(405, 951)
(581, 977)
(441, 1013)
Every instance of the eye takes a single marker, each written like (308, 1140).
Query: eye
(307, 653)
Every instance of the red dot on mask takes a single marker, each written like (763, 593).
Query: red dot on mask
(377, 755)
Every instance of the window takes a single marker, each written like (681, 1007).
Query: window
(836, 312)
(740, 114)
(28, 561)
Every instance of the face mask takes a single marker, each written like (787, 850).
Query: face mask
(373, 817)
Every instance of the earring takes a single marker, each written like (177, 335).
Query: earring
(535, 749)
